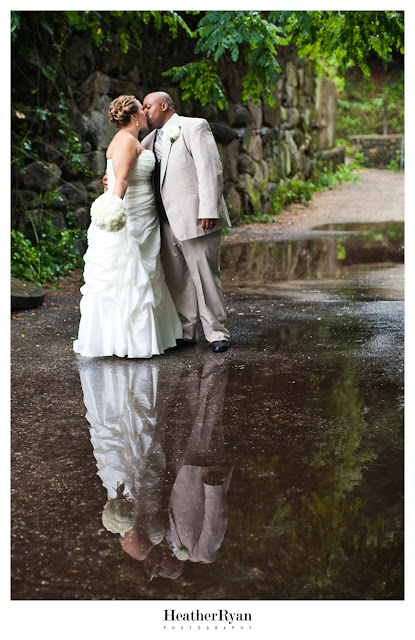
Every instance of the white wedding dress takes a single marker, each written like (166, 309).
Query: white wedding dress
(126, 308)
(121, 400)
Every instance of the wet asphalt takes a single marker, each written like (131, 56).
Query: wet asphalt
(278, 464)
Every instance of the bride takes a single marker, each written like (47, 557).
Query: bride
(126, 308)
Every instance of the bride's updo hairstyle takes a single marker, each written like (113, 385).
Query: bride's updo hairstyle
(121, 109)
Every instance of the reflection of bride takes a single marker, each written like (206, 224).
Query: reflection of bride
(178, 490)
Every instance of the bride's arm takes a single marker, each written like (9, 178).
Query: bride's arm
(124, 156)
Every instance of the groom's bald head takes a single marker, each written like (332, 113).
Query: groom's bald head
(159, 108)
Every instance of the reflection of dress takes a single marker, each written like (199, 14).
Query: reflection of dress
(120, 398)
(124, 404)
(126, 309)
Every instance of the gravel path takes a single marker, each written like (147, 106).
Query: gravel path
(377, 197)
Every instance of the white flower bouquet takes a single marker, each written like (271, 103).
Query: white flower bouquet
(109, 213)
(182, 554)
(118, 515)
(173, 133)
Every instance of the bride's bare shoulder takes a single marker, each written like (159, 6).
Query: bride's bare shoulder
(123, 142)
(140, 147)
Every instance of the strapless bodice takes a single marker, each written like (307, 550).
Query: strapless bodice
(141, 171)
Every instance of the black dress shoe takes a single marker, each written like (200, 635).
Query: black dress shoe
(218, 346)
(185, 343)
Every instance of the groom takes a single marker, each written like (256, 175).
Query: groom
(188, 187)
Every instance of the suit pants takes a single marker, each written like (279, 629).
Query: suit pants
(192, 272)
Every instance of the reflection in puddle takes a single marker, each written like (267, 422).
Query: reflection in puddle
(271, 472)
(166, 484)
(313, 427)
(319, 254)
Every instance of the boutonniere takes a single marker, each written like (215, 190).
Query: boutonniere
(173, 133)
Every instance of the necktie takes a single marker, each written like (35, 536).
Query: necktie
(158, 144)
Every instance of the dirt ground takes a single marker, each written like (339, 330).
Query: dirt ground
(378, 196)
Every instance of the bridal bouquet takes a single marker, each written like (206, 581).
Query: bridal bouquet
(119, 515)
(108, 213)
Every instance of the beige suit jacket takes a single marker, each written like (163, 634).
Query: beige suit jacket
(191, 179)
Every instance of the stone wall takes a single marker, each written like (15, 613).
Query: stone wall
(380, 151)
(261, 147)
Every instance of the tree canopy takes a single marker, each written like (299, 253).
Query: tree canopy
(222, 38)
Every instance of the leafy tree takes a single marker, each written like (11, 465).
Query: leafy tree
(253, 38)
(346, 38)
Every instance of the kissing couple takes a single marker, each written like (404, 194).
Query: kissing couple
(152, 267)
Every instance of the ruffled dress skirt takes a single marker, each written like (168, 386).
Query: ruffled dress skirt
(126, 308)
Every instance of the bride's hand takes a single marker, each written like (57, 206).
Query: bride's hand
(208, 223)
(105, 181)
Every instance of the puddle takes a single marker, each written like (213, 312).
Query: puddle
(271, 472)
(326, 252)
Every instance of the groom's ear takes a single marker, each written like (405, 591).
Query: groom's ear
(164, 106)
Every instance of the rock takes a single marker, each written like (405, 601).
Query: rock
(255, 111)
(291, 74)
(250, 141)
(274, 168)
(261, 176)
(96, 161)
(246, 164)
(97, 125)
(39, 216)
(239, 115)
(209, 112)
(81, 246)
(285, 159)
(293, 117)
(24, 199)
(82, 217)
(41, 176)
(224, 134)
(230, 160)
(25, 295)
(80, 57)
(251, 194)
(289, 99)
(233, 202)
(293, 150)
(94, 188)
(72, 195)
(257, 149)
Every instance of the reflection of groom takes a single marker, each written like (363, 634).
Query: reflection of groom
(188, 186)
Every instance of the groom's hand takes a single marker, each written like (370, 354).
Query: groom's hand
(105, 181)
(208, 223)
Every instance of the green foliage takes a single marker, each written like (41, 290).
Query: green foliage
(289, 191)
(48, 255)
(245, 34)
(251, 39)
(123, 29)
(318, 538)
(293, 190)
(395, 164)
(347, 36)
(202, 79)
(361, 106)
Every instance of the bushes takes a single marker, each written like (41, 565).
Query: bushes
(48, 255)
(363, 104)
(295, 190)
